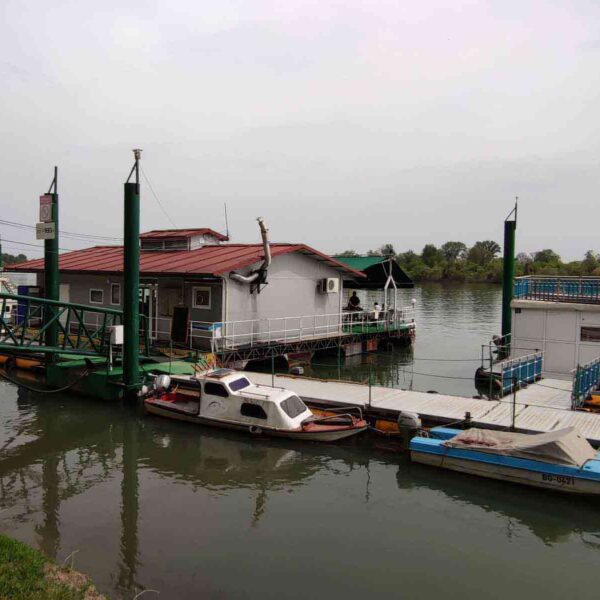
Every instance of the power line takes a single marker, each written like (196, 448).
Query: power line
(83, 236)
(34, 245)
(156, 197)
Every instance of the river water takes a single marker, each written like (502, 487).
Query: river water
(140, 503)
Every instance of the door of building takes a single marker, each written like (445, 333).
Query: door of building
(149, 307)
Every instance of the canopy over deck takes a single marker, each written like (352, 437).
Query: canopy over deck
(377, 269)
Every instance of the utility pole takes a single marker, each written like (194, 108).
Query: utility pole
(131, 272)
(47, 230)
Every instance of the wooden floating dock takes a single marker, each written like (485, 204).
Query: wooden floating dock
(541, 407)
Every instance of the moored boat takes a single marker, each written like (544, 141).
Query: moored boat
(227, 399)
(560, 460)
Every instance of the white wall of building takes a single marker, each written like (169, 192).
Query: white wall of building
(555, 328)
(292, 291)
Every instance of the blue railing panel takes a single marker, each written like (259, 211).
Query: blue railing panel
(585, 380)
(517, 371)
(558, 289)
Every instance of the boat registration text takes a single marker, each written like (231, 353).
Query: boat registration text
(560, 479)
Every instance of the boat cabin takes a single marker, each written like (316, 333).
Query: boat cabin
(227, 396)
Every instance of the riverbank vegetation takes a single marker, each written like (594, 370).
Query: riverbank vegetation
(12, 259)
(455, 261)
(27, 574)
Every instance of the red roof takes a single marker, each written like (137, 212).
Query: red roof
(207, 260)
(173, 234)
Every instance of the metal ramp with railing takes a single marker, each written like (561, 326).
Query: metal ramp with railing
(82, 330)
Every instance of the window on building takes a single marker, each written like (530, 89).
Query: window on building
(239, 384)
(176, 245)
(215, 389)
(253, 410)
(96, 296)
(151, 245)
(590, 334)
(115, 293)
(293, 407)
(201, 297)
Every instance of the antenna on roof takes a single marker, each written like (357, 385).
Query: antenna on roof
(226, 221)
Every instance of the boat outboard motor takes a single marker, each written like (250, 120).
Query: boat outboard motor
(162, 382)
(409, 424)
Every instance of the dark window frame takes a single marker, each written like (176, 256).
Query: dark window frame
(202, 288)
(292, 412)
(589, 333)
(97, 290)
(222, 390)
(112, 294)
(253, 411)
(234, 388)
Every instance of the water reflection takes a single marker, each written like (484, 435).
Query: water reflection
(551, 518)
(453, 321)
(178, 507)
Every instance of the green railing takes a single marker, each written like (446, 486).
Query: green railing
(82, 329)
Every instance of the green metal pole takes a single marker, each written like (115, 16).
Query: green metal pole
(131, 271)
(51, 276)
(508, 276)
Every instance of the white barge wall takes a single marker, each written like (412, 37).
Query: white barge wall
(554, 328)
(291, 291)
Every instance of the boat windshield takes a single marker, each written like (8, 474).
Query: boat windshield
(293, 406)
(239, 384)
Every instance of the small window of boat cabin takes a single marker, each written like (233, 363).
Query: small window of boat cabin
(253, 411)
(590, 334)
(293, 406)
(239, 384)
(215, 389)
(201, 297)
(96, 296)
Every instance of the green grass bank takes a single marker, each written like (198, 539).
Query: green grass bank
(27, 574)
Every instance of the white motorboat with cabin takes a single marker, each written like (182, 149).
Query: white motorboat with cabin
(226, 398)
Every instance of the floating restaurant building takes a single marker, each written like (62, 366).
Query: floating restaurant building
(240, 301)
(559, 316)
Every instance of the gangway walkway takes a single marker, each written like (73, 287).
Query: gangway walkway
(82, 330)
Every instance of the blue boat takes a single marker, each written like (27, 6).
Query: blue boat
(561, 460)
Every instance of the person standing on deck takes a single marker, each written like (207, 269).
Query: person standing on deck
(377, 308)
(354, 302)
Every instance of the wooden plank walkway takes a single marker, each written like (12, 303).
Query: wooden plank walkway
(540, 407)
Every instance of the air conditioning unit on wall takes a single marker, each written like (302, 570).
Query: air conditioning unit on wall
(330, 285)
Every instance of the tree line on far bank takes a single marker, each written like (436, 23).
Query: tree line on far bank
(11, 259)
(455, 261)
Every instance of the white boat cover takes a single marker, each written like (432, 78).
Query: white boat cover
(563, 447)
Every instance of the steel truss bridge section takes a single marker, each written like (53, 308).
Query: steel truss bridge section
(82, 329)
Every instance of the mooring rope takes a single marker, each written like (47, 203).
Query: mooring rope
(38, 391)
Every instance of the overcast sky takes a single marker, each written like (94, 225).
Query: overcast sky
(344, 124)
